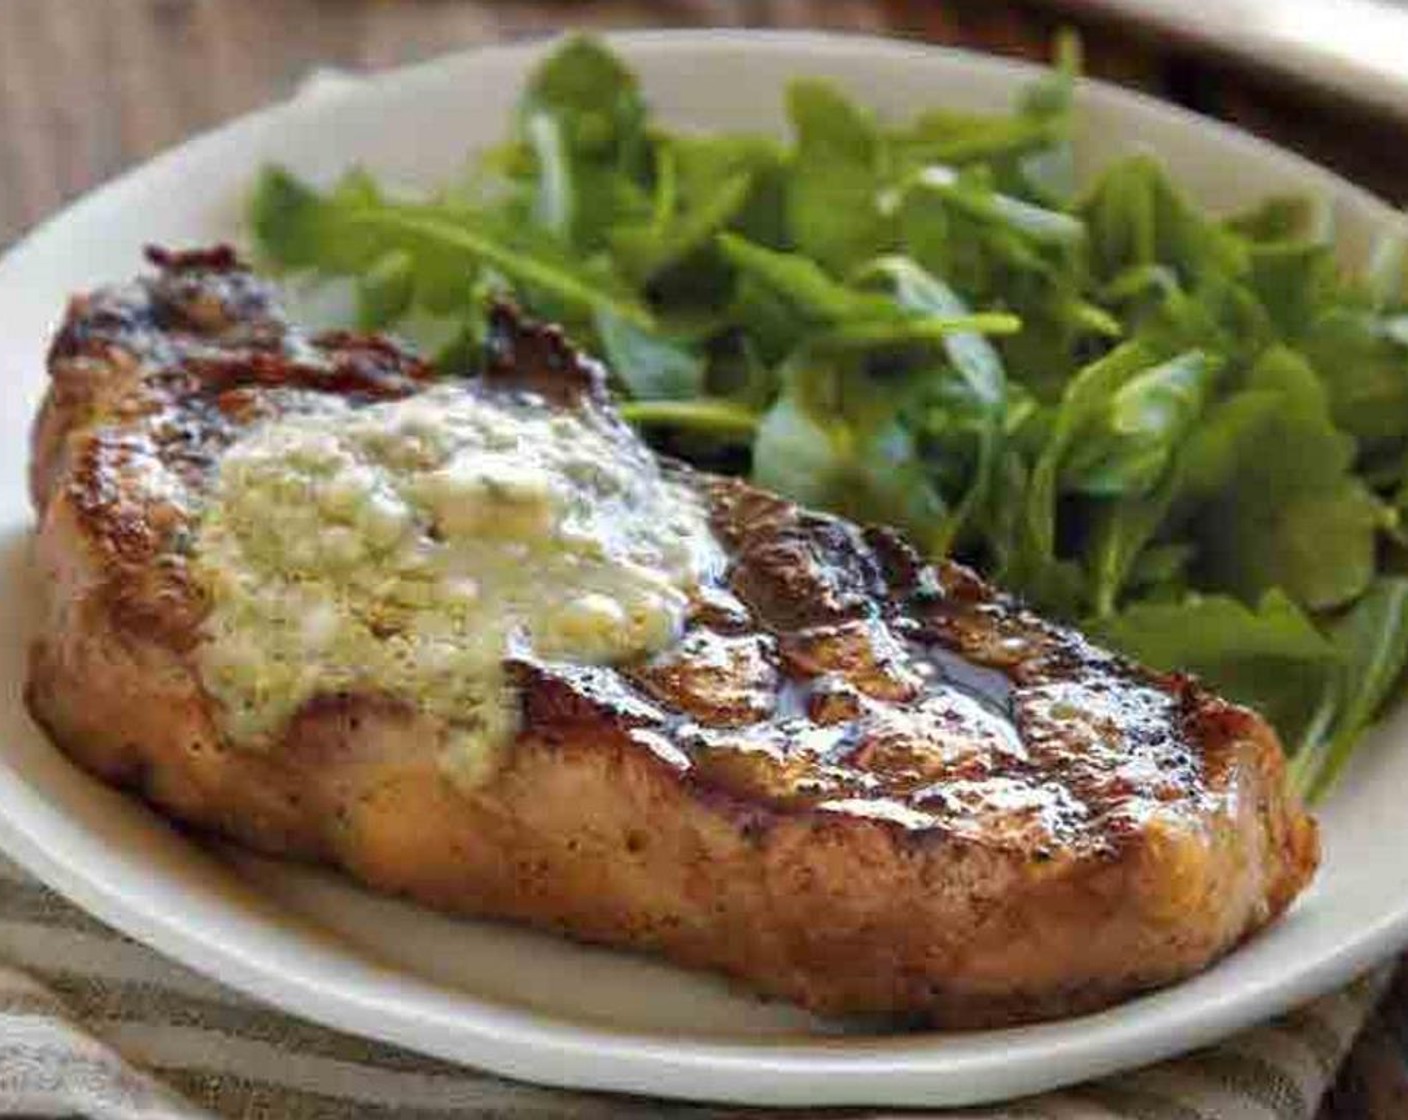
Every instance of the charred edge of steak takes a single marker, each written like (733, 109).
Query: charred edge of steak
(215, 258)
(537, 357)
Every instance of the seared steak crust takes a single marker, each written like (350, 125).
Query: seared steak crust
(860, 781)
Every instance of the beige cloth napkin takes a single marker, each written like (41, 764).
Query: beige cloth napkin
(93, 1024)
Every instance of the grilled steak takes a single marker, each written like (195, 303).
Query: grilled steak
(856, 780)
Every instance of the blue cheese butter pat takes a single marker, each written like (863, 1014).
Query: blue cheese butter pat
(404, 547)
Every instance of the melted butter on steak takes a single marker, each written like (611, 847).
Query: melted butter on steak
(407, 546)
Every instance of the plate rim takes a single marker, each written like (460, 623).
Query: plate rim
(534, 1046)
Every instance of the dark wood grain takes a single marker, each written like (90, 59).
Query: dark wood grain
(89, 87)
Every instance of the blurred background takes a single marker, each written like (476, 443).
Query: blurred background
(88, 87)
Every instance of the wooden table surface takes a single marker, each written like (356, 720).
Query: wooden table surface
(88, 87)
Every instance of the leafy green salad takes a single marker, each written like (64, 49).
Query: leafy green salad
(1186, 433)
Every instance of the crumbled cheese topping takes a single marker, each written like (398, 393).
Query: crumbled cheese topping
(407, 546)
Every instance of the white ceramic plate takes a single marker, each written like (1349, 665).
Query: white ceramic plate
(535, 1007)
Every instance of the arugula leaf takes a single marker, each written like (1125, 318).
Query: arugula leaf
(764, 317)
(556, 206)
(645, 251)
(953, 138)
(1282, 217)
(1032, 142)
(704, 164)
(435, 250)
(1372, 640)
(1048, 175)
(1291, 279)
(802, 286)
(721, 419)
(923, 331)
(1206, 631)
(583, 119)
(480, 242)
(801, 458)
(844, 317)
(1128, 447)
(298, 228)
(1050, 98)
(1159, 573)
(976, 362)
(596, 97)
(969, 196)
(1084, 396)
(997, 249)
(1318, 545)
(1386, 278)
(651, 365)
(385, 290)
(868, 472)
(1136, 217)
(1364, 369)
(833, 191)
(1202, 467)
(970, 354)
(1294, 516)
(1210, 457)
